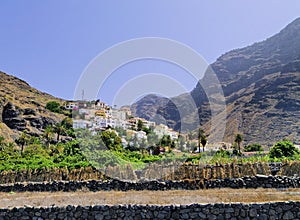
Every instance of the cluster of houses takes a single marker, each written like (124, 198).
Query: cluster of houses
(98, 116)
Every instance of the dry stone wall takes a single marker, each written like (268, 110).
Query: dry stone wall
(98, 185)
(277, 210)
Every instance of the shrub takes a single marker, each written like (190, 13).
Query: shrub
(53, 106)
(283, 149)
(253, 147)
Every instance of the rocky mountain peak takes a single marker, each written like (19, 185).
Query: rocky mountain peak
(261, 84)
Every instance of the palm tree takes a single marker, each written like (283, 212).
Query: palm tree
(48, 135)
(203, 142)
(59, 129)
(201, 139)
(22, 140)
(238, 139)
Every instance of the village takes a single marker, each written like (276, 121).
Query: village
(97, 116)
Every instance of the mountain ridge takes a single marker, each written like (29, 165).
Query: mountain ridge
(261, 88)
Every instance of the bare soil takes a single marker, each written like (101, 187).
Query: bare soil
(176, 197)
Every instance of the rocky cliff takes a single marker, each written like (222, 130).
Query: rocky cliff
(23, 108)
(261, 84)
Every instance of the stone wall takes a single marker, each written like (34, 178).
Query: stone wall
(98, 185)
(277, 210)
(154, 171)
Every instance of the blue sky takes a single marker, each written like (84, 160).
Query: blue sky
(49, 43)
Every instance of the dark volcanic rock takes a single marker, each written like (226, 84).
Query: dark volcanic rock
(23, 108)
(11, 116)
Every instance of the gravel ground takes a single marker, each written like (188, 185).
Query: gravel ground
(43, 199)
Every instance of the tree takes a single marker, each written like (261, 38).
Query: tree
(67, 123)
(22, 140)
(239, 139)
(253, 148)
(53, 106)
(48, 135)
(202, 140)
(283, 149)
(166, 141)
(59, 129)
(140, 125)
(111, 141)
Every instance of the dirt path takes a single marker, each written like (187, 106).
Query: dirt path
(38, 199)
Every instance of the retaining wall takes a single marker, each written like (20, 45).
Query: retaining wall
(278, 210)
(118, 185)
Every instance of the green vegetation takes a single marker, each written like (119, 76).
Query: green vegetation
(202, 140)
(253, 148)
(284, 149)
(53, 106)
(62, 147)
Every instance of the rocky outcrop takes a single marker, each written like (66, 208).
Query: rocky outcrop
(261, 84)
(11, 116)
(23, 108)
(24, 119)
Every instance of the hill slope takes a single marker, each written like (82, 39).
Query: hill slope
(261, 84)
(23, 108)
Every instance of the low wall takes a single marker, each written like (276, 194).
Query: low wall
(278, 210)
(173, 171)
(98, 185)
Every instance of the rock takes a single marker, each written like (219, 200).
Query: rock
(29, 111)
(260, 176)
(253, 213)
(11, 116)
(288, 215)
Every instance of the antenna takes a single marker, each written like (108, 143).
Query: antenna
(82, 95)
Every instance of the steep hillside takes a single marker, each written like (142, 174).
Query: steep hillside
(23, 108)
(262, 90)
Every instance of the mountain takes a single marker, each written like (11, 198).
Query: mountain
(23, 108)
(261, 85)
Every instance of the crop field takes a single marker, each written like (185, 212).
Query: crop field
(175, 197)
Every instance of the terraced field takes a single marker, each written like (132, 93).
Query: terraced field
(43, 199)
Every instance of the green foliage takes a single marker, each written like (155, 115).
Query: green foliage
(53, 106)
(147, 130)
(87, 150)
(253, 148)
(194, 158)
(111, 140)
(140, 125)
(222, 153)
(166, 141)
(202, 139)
(2, 140)
(283, 149)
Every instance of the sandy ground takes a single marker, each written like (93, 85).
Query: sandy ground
(42, 199)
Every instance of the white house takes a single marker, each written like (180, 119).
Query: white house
(71, 106)
(82, 124)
